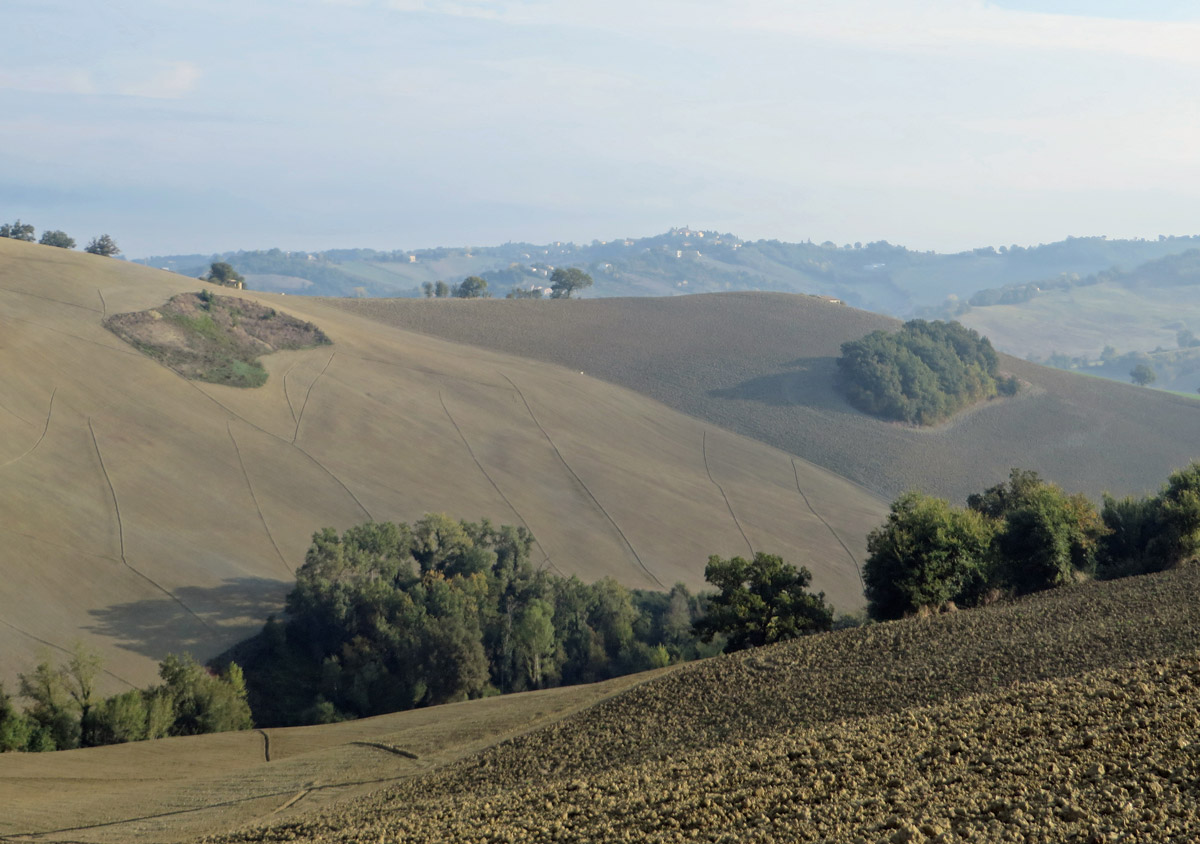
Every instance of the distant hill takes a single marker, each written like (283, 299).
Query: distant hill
(1104, 323)
(763, 364)
(145, 513)
(876, 276)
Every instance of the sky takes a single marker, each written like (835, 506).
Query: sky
(198, 126)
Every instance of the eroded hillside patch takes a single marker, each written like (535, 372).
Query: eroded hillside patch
(219, 339)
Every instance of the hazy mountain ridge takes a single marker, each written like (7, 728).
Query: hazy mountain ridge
(876, 276)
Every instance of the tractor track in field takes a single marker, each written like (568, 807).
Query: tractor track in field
(45, 428)
(579, 480)
(721, 489)
(121, 536)
(495, 486)
(257, 507)
(821, 519)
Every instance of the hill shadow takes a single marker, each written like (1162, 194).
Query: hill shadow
(233, 611)
(806, 381)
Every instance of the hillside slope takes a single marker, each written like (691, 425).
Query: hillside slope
(763, 364)
(145, 513)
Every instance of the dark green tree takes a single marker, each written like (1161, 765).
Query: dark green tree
(760, 601)
(17, 231)
(472, 287)
(1143, 375)
(202, 701)
(565, 281)
(925, 555)
(224, 274)
(15, 728)
(57, 238)
(441, 290)
(1178, 505)
(103, 245)
(427, 289)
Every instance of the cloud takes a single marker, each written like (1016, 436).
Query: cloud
(161, 81)
(168, 82)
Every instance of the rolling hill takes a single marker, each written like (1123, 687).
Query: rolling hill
(763, 364)
(1064, 715)
(144, 513)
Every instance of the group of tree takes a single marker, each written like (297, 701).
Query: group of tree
(1023, 536)
(564, 282)
(223, 273)
(389, 616)
(102, 245)
(922, 373)
(65, 711)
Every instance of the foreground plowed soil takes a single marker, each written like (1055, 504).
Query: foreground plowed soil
(1063, 717)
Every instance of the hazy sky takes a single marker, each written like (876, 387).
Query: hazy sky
(203, 125)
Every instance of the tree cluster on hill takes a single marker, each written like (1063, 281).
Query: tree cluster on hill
(391, 616)
(65, 711)
(1023, 536)
(103, 245)
(922, 373)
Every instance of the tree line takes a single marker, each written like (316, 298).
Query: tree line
(102, 245)
(564, 282)
(65, 711)
(921, 374)
(1023, 536)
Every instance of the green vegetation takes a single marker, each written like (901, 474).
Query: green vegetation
(761, 601)
(565, 281)
(65, 711)
(921, 374)
(103, 245)
(1143, 375)
(225, 275)
(57, 238)
(17, 231)
(387, 616)
(214, 338)
(472, 287)
(1023, 536)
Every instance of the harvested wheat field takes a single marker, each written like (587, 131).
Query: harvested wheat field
(763, 364)
(1067, 716)
(146, 513)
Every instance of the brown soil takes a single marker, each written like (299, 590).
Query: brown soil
(214, 338)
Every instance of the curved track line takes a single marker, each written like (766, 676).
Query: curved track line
(390, 748)
(103, 304)
(60, 546)
(579, 480)
(308, 393)
(286, 396)
(50, 644)
(263, 430)
(121, 536)
(496, 486)
(16, 415)
(50, 299)
(266, 744)
(254, 498)
(721, 489)
(45, 428)
(117, 349)
(222, 804)
(296, 798)
(849, 553)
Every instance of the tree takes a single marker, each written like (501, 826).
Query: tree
(524, 293)
(17, 231)
(1178, 537)
(534, 640)
(761, 601)
(1143, 375)
(15, 728)
(224, 274)
(566, 280)
(441, 290)
(57, 238)
(472, 287)
(1044, 535)
(103, 245)
(427, 289)
(926, 555)
(203, 702)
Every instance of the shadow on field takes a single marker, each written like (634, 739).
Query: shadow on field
(233, 611)
(807, 381)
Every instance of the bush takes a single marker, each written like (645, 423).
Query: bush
(922, 373)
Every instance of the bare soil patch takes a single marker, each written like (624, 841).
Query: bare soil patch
(211, 338)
